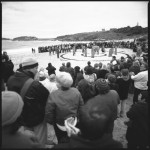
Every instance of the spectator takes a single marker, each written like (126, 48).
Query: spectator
(87, 91)
(7, 68)
(51, 69)
(102, 72)
(88, 66)
(53, 84)
(77, 75)
(135, 67)
(94, 121)
(63, 67)
(100, 65)
(124, 83)
(137, 133)
(69, 69)
(12, 106)
(96, 68)
(112, 82)
(109, 98)
(89, 75)
(64, 103)
(35, 98)
(140, 82)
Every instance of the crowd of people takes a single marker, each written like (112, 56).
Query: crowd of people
(64, 48)
(80, 104)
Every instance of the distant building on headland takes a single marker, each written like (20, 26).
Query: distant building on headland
(103, 30)
(137, 24)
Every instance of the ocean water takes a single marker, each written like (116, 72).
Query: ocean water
(18, 45)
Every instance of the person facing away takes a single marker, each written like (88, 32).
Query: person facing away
(87, 90)
(69, 69)
(140, 81)
(12, 106)
(63, 67)
(51, 69)
(35, 98)
(88, 66)
(64, 103)
(94, 121)
(124, 83)
(112, 82)
(138, 134)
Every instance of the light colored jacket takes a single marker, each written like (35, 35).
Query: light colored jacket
(140, 80)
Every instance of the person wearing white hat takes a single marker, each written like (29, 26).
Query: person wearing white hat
(35, 98)
(64, 103)
(12, 106)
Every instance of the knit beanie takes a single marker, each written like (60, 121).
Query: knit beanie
(101, 84)
(29, 63)
(12, 105)
(64, 79)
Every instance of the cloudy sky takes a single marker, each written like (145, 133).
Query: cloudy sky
(52, 19)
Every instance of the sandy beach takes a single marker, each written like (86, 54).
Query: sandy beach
(43, 59)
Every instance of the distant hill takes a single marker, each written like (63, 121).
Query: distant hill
(113, 34)
(25, 38)
(6, 39)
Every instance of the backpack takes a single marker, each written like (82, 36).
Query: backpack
(33, 112)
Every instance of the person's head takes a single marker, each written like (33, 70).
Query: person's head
(88, 63)
(104, 67)
(113, 57)
(64, 80)
(136, 63)
(49, 64)
(111, 78)
(68, 64)
(30, 64)
(144, 66)
(63, 64)
(96, 66)
(125, 74)
(52, 77)
(42, 76)
(122, 58)
(94, 119)
(100, 65)
(77, 69)
(41, 69)
(85, 89)
(101, 86)
(12, 106)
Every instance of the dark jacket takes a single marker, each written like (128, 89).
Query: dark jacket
(36, 97)
(51, 69)
(7, 70)
(79, 142)
(102, 73)
(138, 131)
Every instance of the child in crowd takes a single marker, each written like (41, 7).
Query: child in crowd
(123, 82)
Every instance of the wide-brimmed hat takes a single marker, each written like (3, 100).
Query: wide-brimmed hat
(12, 105)
(28, 63)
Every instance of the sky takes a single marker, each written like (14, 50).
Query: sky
(56, 18)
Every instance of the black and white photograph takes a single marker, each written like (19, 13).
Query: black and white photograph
(74, 74)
